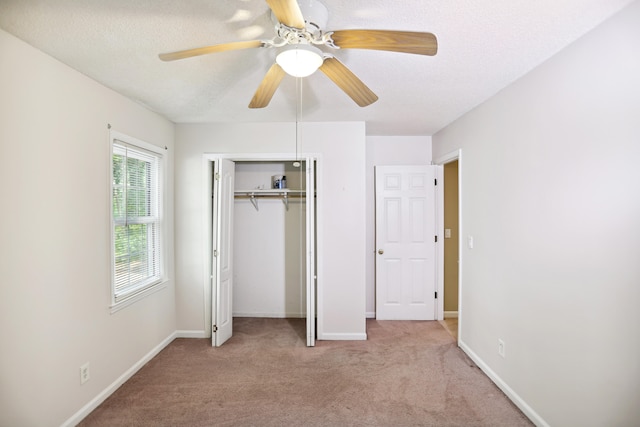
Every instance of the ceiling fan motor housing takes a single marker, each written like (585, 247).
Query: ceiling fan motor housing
(315, 14)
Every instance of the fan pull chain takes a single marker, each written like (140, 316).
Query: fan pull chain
(298, 112)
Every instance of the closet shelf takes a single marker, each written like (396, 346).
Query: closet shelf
(284, 193)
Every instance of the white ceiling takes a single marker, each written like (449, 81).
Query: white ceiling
(483, 46)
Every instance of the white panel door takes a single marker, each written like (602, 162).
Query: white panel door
(405, 242)
(223, 252)
(311, 253)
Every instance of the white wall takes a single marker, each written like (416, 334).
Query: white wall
(341, 181)
(55, 239)
(387, 151)
(550, 192)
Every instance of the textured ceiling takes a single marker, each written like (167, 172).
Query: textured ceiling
(483, 46)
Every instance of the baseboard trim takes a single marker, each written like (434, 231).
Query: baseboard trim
(338, 336)
(515, 398)
(101, 397)
(370, 314)
(192, 334)
(450, 314)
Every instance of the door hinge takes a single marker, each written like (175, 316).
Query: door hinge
(214, 328)
(436, 239)
(436, 295)
(217, 176)
(215, 252)
(435, 181)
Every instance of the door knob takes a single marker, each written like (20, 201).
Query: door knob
(380, 251)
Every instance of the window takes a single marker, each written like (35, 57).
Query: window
(136, 200)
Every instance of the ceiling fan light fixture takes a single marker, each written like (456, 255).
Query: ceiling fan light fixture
(300, 60)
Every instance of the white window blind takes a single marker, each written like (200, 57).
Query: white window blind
(136, 212)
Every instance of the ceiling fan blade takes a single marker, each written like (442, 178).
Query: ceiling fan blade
(210, 49)
(287, 12)
(348, 82)
(267, 87)
(394, 41)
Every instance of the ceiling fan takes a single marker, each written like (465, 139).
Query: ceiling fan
(299, 34)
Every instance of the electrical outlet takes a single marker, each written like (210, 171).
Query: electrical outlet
(84, 373)
(501, 348)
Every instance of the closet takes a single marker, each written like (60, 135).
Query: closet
(264, 254)
(269, 233)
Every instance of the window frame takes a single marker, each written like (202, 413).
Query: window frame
(137, 291)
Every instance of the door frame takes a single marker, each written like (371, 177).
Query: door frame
(442, 160)
(208, 160)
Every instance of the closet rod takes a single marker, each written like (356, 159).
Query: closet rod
(268, 196)
(284, 196)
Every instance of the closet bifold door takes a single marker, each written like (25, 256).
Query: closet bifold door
(222, 294)
(311, 250)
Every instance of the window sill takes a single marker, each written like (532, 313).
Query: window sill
(115, 307)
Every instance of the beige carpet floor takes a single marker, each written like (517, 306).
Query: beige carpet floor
(408, 373)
